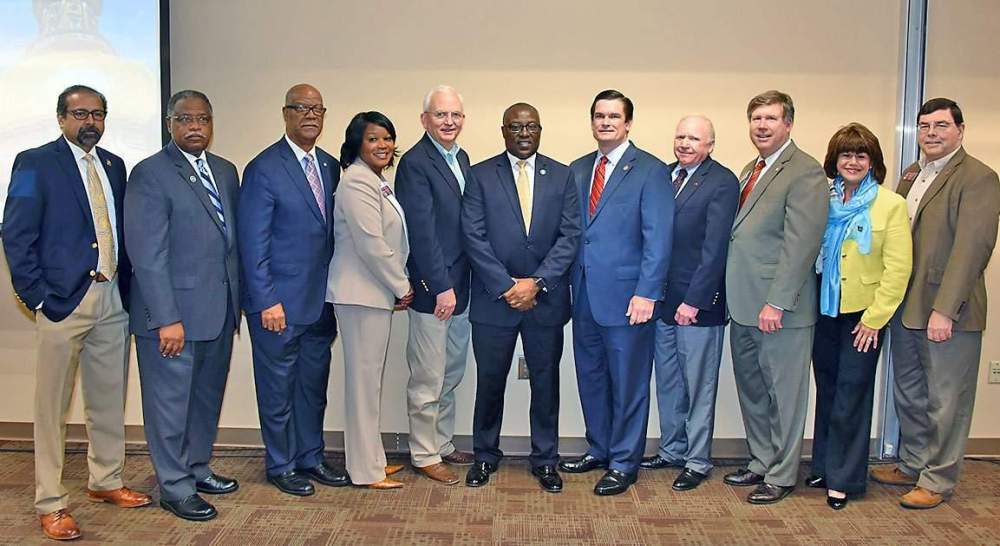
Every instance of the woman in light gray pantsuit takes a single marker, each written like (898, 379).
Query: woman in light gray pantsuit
(367, 283)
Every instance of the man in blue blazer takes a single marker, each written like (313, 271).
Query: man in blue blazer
(62, 235)
(285, 243)
(430, 180)
(618, 280)
(691, 329)
(521, 221)
(180, 231)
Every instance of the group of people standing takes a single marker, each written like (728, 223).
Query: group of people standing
(650, 260)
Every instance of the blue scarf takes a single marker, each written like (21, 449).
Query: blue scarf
(850, 220)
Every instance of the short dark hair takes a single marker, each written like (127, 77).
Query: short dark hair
(78, 88)
(186, 94)
(611, 94)
(773, 97)
(355, 134)
(855, 138)
(942, 103)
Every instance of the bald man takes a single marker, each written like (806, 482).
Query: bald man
(286, 242)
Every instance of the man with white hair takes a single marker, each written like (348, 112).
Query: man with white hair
(430, 181)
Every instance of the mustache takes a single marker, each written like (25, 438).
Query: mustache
(88, 133)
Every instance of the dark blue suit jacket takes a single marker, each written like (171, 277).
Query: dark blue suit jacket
(48, 228)
(703, 220)
(625, 249)
(285, 244)
(186, 265)
(432, 201)
(499, 248)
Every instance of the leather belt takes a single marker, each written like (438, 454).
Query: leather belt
(100, 278)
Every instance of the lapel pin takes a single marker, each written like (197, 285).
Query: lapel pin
(911, 176)
(626, 168)
(325, 165)
(542, 172)
(191, 179)
(108, 162)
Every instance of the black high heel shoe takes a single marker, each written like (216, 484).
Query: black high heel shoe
(818, 482)
(835, 503)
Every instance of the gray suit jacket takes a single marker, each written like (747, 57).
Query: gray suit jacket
(775, 241)
(185, 264)
(369, 266)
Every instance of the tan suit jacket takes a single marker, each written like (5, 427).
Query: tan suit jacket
(775, 241)
(954, 232)
(369, 261)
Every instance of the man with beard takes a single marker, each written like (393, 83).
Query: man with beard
(62, 234)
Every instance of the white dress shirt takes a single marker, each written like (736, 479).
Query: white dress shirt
(529, 167)
(690, 173)
(300, 153)
(614, 156)
(768, 161)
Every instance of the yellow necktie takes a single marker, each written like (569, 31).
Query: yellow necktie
(524, 193)
(106, 263)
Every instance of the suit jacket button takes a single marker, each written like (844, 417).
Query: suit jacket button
(93, 245)
(93, 273)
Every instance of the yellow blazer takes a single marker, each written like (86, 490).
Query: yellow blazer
(876, 282)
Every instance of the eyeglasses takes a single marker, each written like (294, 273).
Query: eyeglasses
(188, 119)
(441, 116)
(303, 110)
(533, 128)
(81, 115)
(926, 127)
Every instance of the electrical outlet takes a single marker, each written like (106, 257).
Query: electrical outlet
(522, 367)
(994, 371)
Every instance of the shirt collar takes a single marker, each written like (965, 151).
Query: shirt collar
(769, 160)
(939, 163)
(299, 152)
(192, 159)
(530, 161)
(614, 156)
(690, 170)
(78, 152)
(453, 152)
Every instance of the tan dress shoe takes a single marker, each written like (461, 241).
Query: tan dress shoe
(391, 469)
(59, 525)
(123, 497)
(385, 484)
(892, 475)
(920, 498)
(439, 472)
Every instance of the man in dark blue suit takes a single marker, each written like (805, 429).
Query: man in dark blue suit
(180, 231)
(618, 280)
(690, 332)
(286, 242)
(62, 235)
(521, 221)
(430, 181)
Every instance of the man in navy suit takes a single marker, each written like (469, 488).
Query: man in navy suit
(618, 280)
(430, 180)
(286, 242)
(690, 332)
(62, 235)
(521, 221)
(180, 230)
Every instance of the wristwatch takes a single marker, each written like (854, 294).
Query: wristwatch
(540, 283)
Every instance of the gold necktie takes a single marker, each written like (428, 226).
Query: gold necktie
(524, 193)
(106, 263)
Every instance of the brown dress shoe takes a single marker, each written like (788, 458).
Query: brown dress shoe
(920, 498)
(59, 525)
(439, 472)
(385, 484)
(391, 469)
(123, 497)
(892, 475)
(460, 458)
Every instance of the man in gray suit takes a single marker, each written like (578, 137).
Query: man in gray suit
(180, 213)
(772, 296)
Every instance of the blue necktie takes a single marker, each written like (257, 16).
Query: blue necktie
(213, 195)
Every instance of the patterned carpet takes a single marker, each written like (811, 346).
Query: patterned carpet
(510, 510)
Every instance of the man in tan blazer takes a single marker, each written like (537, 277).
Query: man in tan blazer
(771, 289)
(954, 205)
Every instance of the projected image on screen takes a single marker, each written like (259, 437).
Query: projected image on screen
(110, 45)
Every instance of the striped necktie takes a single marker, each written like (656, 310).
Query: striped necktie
(213, 194)
(312, 176)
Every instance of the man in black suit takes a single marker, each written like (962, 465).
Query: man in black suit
(521, 222)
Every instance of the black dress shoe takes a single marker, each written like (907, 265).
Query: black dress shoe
(293, 484)
(743, 477)
(656, 462)
(479, 474)
(583, 464)
(835, 503)
(614, 482)
(325, 475)
(192, 507)
(214, 484)
(818, 482)
(548, 478)
(688, 480)
(768, 494)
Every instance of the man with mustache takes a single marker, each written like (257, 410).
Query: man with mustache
(286, 242)
(180, 230)
(62, 235)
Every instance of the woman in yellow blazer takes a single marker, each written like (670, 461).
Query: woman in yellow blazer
(864, 266)
(367, 283)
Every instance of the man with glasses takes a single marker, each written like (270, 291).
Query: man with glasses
(180, 230)
(430, 181)
(937, 333)
(62, 235)
(521, 221)
(286, 242)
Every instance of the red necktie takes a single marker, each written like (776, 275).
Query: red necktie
(598, 186)
(751, 181)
